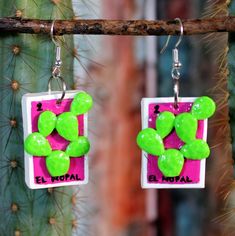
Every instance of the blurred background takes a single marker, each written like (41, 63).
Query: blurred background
(119, 71)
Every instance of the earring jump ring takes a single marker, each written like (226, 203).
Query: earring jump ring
(63, 87)
(176, 93)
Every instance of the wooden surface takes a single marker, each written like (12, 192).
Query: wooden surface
(118, 27)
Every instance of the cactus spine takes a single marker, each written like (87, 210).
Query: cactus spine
(26, 63)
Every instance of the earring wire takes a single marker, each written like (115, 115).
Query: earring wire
(56, 72)
(52, 33)
(169, 37)
(176, 65)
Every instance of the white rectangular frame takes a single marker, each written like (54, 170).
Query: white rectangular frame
(27, 99)
(144, 162)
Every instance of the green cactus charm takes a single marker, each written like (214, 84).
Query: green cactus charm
(171, 161)
(66, 124)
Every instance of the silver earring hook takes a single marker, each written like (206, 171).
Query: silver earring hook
(63, 87)
(169, 37)
(176, 65)
(56, 72)
(52, 33)
(58, 62)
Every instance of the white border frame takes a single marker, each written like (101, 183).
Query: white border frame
(27, 99)
(144, 163)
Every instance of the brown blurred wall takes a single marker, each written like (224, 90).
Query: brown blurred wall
(121, 198)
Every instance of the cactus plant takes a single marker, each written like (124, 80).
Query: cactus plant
(223, 92)
(26, 62)
(231, 80)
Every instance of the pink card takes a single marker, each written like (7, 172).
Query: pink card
(193, 173)
(36, 174)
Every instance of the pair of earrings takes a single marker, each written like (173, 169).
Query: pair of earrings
(174, 135)
(173, 138)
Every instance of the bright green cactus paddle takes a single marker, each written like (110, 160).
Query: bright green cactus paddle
(67, 126)
(81, 104)
(149, 140)
(79, 147)
(196, 150)
(186, 127)
(57, 163)
(46, 123)
(165, 123)
(203, 108)
(171, 163)
(37, 145)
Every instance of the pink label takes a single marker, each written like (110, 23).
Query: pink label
(76, 171)
(191, 170)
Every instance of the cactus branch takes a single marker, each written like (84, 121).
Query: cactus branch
(118, 27)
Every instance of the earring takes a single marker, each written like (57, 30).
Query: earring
(173, 138)
(55, 133)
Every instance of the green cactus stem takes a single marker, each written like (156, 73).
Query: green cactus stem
(26, 64)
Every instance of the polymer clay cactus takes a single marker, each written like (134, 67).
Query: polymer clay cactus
(149, 140)
(196, 150)
(165, 123)
(46, 123)
(171, 161)
(37, 145)
(57, 163)
(186, 127)
(203, 108)
(66, 124)
(79, 147)
(81, 104)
